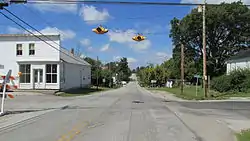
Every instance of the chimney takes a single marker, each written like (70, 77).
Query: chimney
(72, 51)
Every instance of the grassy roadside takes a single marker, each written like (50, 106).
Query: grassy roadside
(190, 93)
(83, 91)
(243, 136)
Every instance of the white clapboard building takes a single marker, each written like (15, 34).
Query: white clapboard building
(241, 60)
(44, 64)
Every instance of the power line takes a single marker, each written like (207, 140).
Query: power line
(38, 36)
(46, 22)
(114, 2)
(114, 30)
(116, 19)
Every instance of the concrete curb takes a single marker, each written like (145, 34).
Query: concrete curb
(20, 119)
(228, 100)
(184, 100)
(174, 111)
(26, 118)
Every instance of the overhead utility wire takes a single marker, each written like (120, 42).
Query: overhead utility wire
(119, 2)
(38, 36)
(147, 33)
(114, 2)
(114, 30)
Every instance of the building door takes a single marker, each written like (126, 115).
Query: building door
(38, 78)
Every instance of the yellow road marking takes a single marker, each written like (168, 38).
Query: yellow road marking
(73, 132)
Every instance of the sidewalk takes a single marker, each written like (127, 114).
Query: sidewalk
(171, 97)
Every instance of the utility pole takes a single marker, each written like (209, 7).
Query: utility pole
(182, 67)
(110, 75)
(97, 71)
(204, 51)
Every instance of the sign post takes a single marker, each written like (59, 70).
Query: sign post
(5, 81)
(197, 81)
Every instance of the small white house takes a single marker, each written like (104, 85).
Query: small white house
(44, 64)
(240, 60)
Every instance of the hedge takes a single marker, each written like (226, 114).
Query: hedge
(236, 81)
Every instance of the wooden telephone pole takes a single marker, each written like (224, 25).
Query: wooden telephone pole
(97, 73)
(182, 68)
(204, 50)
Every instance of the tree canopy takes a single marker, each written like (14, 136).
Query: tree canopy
(227, 32)
(106, 71)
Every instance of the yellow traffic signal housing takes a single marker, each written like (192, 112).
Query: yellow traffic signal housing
(139, 38)
(100, 30)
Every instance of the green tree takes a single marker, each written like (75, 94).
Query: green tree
(124, 71)
(227, 30)
(95, 70)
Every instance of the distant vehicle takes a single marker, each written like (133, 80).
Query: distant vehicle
(124, 83)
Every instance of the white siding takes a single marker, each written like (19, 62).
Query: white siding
(8, 57)
(73, 71)
(76, 76)
(43, 54)
(231, 66)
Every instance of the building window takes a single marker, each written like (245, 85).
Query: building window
(32, 49)
(19, 50)
(25, 69)
(51, 73)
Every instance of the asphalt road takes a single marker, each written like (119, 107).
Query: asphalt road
(125, 114)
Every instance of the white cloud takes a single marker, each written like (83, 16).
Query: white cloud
(117, 58)
(131, 60)
(90, 48)
(14, 30)
(122, 36)
(143, 45)
(105, 47)
(65, 34)
(85, 42)
(214, 1)
(92, 16)
(57, 8)
(162, 55)
(125, 37)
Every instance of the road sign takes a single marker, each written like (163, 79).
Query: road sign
(197, 76)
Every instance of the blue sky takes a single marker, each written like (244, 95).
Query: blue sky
(74, 23)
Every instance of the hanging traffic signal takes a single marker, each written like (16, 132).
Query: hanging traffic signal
(139, 38)
(100, 30)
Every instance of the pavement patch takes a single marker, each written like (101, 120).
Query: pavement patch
(137, 101)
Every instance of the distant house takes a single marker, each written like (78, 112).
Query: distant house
(240, 60)
(42, 66)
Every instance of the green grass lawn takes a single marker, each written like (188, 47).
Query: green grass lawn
(189, 93)
(243, 136)
(82, 91)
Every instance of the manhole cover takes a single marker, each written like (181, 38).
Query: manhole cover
(137, 101)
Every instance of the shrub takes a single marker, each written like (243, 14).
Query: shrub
(221, 83)
(237, 81)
